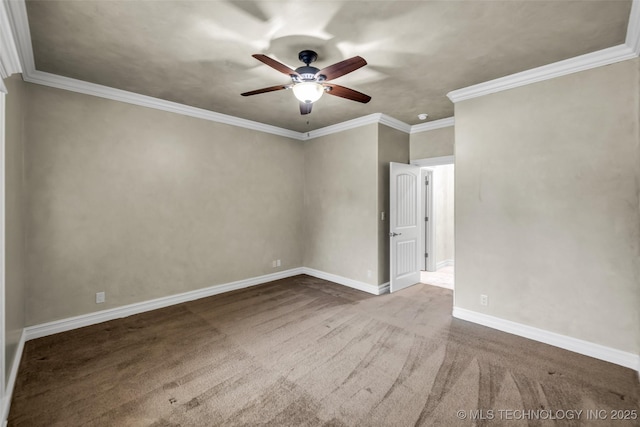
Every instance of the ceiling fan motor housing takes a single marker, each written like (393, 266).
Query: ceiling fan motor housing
(307, 73)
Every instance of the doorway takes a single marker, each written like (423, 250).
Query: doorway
(438, 215)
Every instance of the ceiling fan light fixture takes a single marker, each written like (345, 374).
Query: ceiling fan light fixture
(308, 92)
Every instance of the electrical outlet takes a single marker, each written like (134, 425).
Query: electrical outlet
(100, 297)
(273, 263)
(382, 216)
(369, 273)
(278, 263)
(484, 300)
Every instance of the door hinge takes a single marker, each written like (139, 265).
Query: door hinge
(426, 255)
(426, 218)
(426, 180)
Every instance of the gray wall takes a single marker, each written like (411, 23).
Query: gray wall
(393, 146)
(142, 203)
(341, 204)
(443, 194)
(547, 219)
(432, 143)
(14, 302)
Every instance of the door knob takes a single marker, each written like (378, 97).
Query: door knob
(394, 234)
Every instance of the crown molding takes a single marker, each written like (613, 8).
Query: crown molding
(20, 23)
(394, 123)
(79, 86)
(436, 124)
(9, 59)
(17, 16)
(340, 127)
(21, 59)
(358, 122)
(633, 29)
(568, 66)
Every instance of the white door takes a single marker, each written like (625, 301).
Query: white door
(404, 225)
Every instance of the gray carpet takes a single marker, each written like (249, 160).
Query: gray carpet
(307, 352)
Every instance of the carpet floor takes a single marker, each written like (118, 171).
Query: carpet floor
(307, 352)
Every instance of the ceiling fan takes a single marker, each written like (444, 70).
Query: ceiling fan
(309, 83)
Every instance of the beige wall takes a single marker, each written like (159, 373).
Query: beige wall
(142, 203)
(14, 298)
(547, 220)
(432, 143)
(393, 146)
(444, 210)
(341, 204)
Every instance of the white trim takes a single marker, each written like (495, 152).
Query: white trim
(340, 127)
(576, 345)
(436, 124)
(17, 14)
(79, 86)
(445, 263)
(384, 288)
(568, 66)
(70, 323)
(356, 123)
(434, 161)
(63, 325)
(18, 17)
(3, 247)
(355, 284)
(428, 239)
(394, 123)
(633, 29)
(9, 59)
(6, 403)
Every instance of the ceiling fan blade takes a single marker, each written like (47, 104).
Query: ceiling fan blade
(276, 65)
(345, 92)
(341, 68)
(305, 108)
(266, 89)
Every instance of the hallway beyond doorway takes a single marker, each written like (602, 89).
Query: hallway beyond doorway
(443, 278)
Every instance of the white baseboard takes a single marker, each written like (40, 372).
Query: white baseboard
(443, 264)
(68, 324)
(11, 381)
(63, 325)
(384, 288)
(608, 354)
(361, 286)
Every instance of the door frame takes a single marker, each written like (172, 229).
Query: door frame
(3, 362)
(428, 214)
(428, 245)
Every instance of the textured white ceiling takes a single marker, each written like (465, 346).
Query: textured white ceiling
(199, 53)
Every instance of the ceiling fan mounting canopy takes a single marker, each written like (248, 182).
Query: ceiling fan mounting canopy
(309, 83)
(308, 56)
